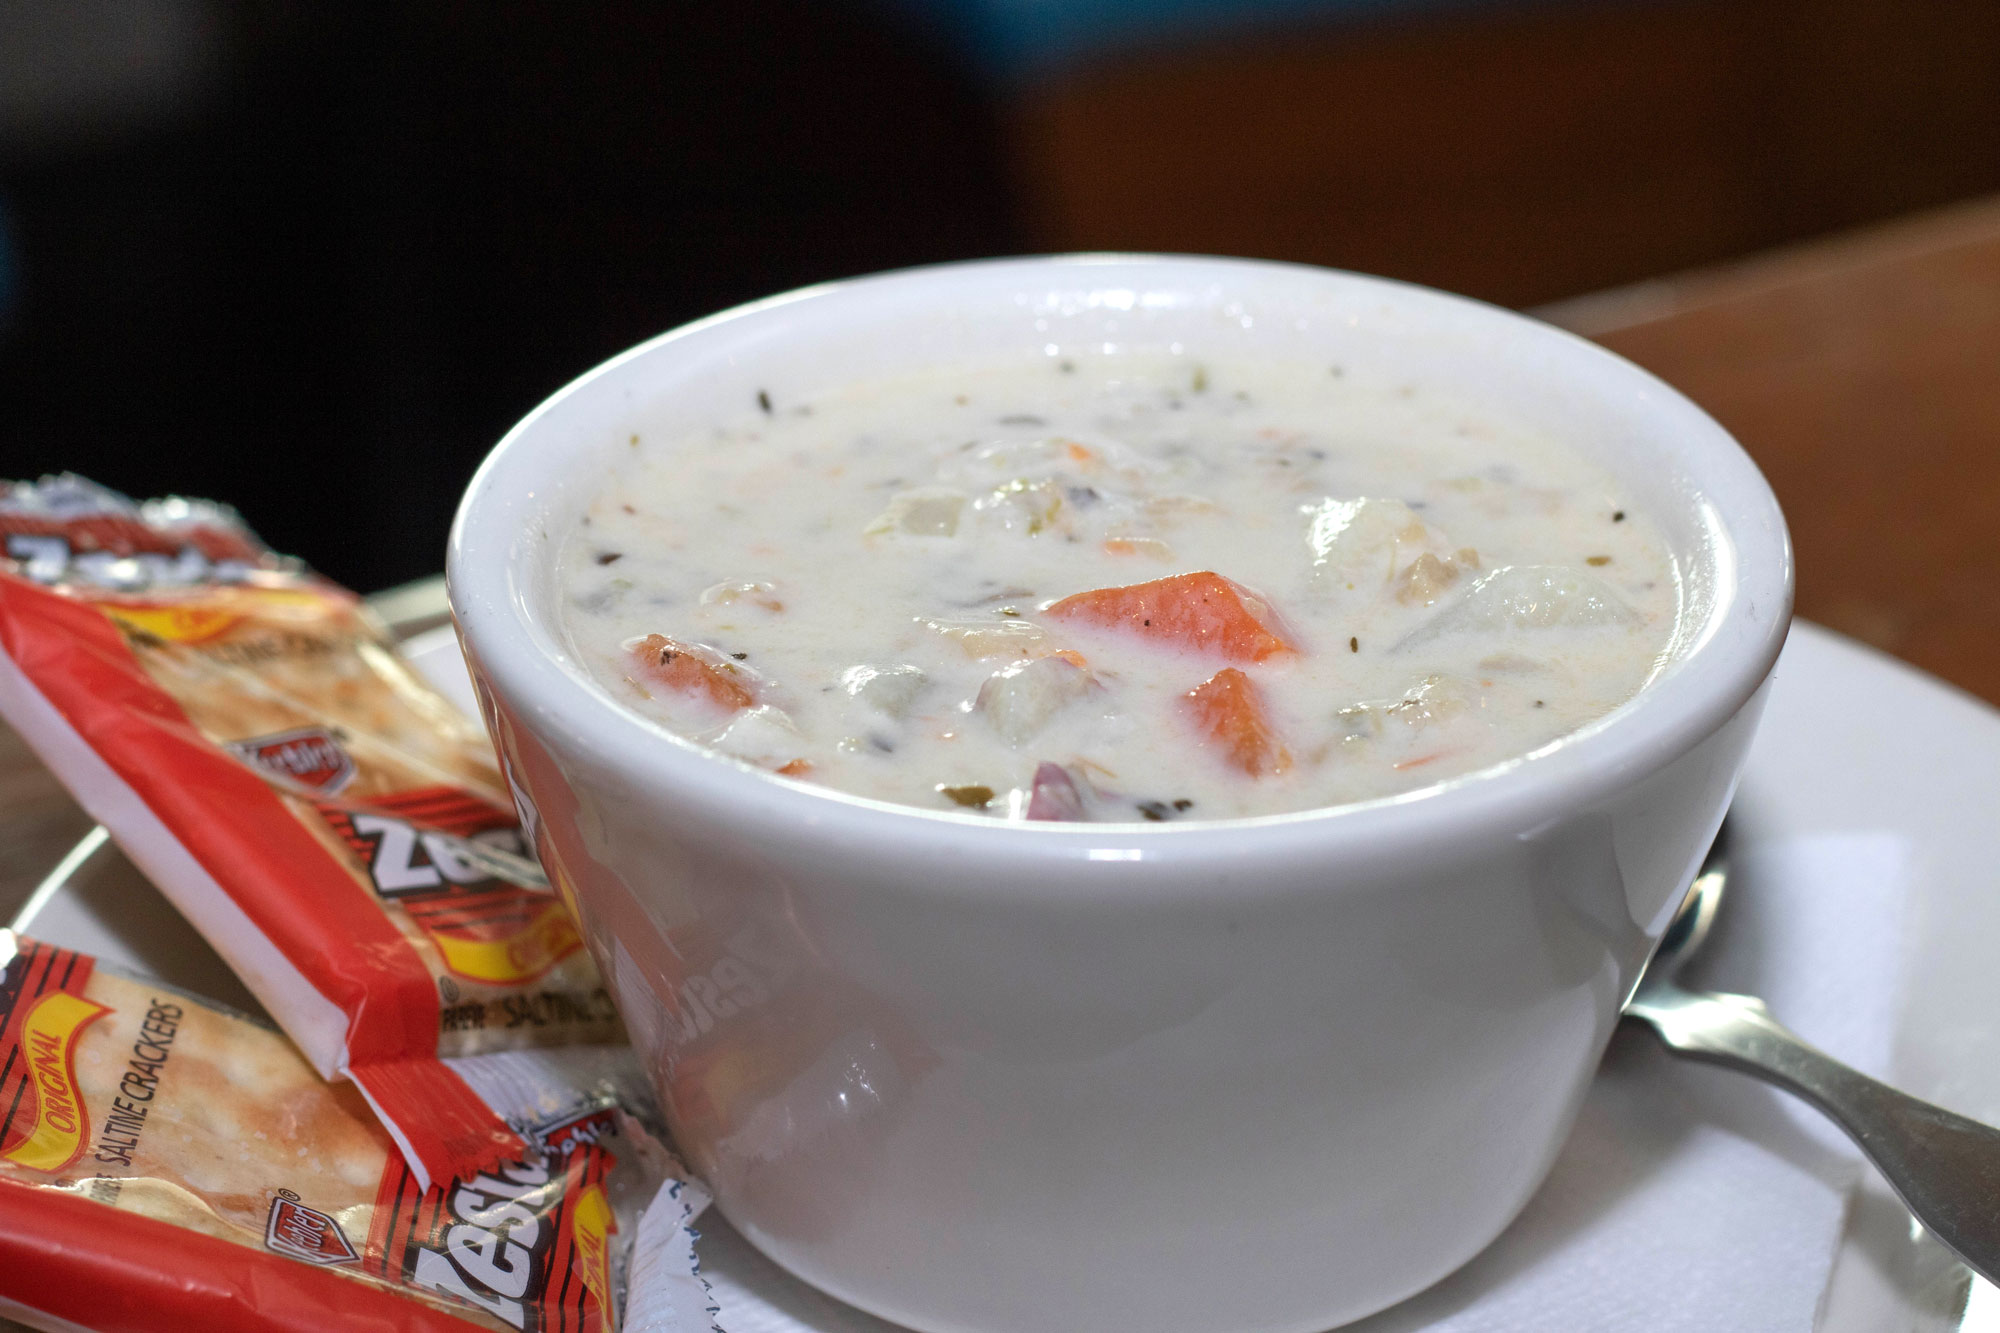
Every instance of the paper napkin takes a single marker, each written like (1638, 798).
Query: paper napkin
(1691, 1197)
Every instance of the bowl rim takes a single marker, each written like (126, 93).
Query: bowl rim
(1707, 684)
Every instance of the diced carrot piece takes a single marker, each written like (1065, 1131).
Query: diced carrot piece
(685, 670)
(798, 768)
(1227, 710)
(1203, 611)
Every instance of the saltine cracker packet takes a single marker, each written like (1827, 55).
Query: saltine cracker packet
(333, 826)
(165, 1163)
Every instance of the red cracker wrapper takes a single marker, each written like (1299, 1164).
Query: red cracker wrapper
(328, 822)
(167, 1164)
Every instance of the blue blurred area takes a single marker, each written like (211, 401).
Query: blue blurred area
(1011, 40)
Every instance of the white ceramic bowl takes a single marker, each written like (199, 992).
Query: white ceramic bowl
(1262, 1074)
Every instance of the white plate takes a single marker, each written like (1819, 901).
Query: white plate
(1854, 741)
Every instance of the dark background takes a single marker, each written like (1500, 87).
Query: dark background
(313, 257)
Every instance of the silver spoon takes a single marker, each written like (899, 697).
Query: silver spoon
(1945, 1168)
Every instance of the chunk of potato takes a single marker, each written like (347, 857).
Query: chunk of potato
(1020, 700)
(1432, 699)
(765, 736)
(1528, 598)
(886, 689)
(925, 512)
(991, 638)
(1427, 578)
(761, 594)
(1022, 505)
(1363, 544)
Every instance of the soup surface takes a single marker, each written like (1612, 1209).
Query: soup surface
(1118, 588)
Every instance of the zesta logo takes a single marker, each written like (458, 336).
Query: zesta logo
(404, 860)
(496, 1251)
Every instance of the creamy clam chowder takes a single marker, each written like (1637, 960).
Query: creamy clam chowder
(1117, 588)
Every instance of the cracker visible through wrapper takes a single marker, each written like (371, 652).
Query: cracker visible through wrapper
(331, 824)
(167, 1164)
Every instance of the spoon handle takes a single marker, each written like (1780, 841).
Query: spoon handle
(1945, 1167)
